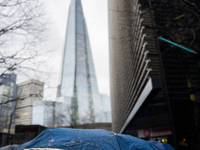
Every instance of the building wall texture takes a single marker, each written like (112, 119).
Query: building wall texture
(138, 55)
(120, 53)
(134, 56)
(28, 92)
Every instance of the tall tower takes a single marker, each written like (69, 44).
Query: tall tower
(78, 81)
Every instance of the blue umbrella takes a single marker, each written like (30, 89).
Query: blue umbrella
(86, 139)
(162, 146)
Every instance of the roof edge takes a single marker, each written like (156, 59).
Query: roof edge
(31, 81)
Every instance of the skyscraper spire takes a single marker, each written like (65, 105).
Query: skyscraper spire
(78, 81)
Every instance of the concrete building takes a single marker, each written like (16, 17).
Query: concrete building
(155, 71)
(28, 92)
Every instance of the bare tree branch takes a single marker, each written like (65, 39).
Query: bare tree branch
(22, 32)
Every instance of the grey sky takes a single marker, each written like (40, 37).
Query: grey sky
(95, 12)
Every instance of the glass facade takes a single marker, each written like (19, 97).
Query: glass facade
(8, 92)
(78, 81)
(68, 73)
(105, 99)
(63, 111)
(43, 113)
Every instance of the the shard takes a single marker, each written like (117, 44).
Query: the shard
(78, 94)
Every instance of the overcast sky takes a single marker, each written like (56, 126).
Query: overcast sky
(95, 12)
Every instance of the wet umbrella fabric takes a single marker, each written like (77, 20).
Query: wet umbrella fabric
(86, 139)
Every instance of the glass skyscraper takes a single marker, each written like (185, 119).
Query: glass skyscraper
(78, 87)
